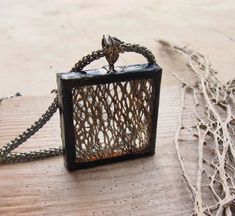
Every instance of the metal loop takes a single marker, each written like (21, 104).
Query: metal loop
(105, 52)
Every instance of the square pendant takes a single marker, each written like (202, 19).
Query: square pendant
(108, 117)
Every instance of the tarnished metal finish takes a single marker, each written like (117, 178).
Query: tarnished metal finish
(111, 53)
(18, 94)
(5, 153)
(112, 47)
(86, 60)
(108, 117)
(119, 47)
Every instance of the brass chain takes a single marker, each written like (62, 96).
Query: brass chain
(6, 154)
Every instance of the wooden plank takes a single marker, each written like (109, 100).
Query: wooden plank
(146, 186)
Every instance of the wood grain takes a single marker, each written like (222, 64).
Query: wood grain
(147, 186)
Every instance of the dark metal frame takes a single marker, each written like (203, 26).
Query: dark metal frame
(66, 81)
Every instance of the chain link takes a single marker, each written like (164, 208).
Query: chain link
(6, 154)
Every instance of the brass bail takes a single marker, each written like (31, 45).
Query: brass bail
(112, 48)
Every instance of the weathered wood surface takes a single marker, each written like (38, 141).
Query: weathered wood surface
(147, 186)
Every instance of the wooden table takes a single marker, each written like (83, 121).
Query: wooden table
(38, 40)
(147, 186)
